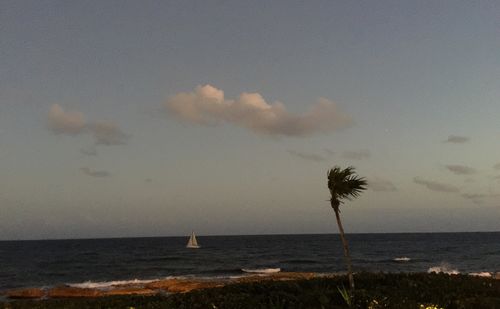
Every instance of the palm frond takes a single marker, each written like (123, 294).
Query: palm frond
(345, 184)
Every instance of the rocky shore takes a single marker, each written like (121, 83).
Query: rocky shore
(174, 285)
(281, 290)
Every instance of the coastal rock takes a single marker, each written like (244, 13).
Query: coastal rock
(182, 286)
(282, 276)
(293, 276)
(130, 291)
(70, 292)
(32, 293)
(152, 288)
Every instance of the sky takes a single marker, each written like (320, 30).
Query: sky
(153, 118)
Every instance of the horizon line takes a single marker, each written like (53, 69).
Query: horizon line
(239, 235)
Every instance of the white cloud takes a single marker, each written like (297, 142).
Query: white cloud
(435, 186)
(461, 169)
(379, 184)
(206, 105)
(456, 139)
(62, 122)
(356, 155)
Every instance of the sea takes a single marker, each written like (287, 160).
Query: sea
(106, 262)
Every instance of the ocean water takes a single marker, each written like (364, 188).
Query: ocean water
(100, 262)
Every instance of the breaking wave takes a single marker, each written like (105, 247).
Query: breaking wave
(226, 273)
(443, 268)
(109, 284)
(402, 259)
(261, 270)
(481, 274)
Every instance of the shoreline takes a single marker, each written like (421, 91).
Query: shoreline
(373, 291)
(152, 287)
(168, 286)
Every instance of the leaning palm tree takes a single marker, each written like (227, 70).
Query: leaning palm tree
(344, 184)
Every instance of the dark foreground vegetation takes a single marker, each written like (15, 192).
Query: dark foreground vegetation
(372, 291)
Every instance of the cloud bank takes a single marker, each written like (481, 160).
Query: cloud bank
(461, 169)
(92, 173)
(456, 139)
(74, 123)
(435, 186)
(206, 105)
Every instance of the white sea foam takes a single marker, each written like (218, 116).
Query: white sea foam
(481, 274)
(235, 277)
(262, 270)
(443, 268)
(109, 284)
(402, 259)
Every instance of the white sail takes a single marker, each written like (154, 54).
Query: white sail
(192, 243)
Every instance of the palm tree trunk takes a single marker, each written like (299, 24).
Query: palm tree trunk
(346, 252)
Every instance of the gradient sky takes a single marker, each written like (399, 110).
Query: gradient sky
(97, 139)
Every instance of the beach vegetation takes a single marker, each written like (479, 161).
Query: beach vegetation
(345, 295)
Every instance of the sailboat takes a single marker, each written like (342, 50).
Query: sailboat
(192, 243)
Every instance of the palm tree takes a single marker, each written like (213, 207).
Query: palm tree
(344, 184)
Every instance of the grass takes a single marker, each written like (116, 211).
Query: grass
(372, 291)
